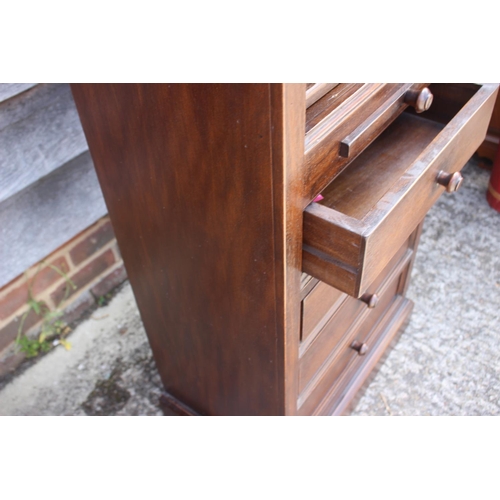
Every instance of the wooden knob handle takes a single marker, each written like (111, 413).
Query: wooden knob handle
(421, 100)
(370, 299)
(360, 347)
(451, 182)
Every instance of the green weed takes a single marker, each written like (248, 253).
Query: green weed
(103, 300)
(53, 328)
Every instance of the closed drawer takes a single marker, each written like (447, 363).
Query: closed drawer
(315, 91)
(323, 300)
(323, 360)
(318, 306)
(343, 122)
(384, 334)
(372, 207)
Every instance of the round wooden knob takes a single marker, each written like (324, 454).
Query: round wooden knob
(451, 182)
(421, 100)
(360, 347)
(370, 299)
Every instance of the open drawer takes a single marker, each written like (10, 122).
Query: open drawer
(373, 206)
(344, 120)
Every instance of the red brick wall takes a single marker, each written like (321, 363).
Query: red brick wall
(93, 263)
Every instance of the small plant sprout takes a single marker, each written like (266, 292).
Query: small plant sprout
(53, 329)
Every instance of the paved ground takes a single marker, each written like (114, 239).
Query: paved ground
(448, 360)
(446, 363)
(108, 371)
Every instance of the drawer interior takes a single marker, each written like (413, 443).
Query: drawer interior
(357, 190)
(363, 184)
(371, 207)
(343, 122)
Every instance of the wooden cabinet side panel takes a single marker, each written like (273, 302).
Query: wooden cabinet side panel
(186, 172)
(288, 125)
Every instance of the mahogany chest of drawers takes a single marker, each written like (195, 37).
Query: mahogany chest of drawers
(258, 296)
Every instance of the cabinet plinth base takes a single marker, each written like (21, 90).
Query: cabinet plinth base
(172, 407)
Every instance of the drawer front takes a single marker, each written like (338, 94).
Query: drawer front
(341, 395)
(324, 360)
(315, 91)
(318, 306)
(342, 123)
(323, 300)
(374, 205)
(328, 342)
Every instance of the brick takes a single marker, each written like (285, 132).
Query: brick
(83, 303)
(112, 280)
(84, 276)
(117, 250)
(92, 243)
(13, 300)
(10, 363)
(18, 297)
(12, 284)
(48, 276)
(9, 332)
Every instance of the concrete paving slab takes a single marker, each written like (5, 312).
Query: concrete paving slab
(108, 371)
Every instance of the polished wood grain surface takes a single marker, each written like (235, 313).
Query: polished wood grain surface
(287, 125)
(321, 302)
(351, 235)
(376, 336)
(307, 283)
(338, 367)
(329, 353)
(172, 407)
(448, 152)
(341, 396)
(347, 123)
(332, 119)
(373, 126)
(206, 186)
(316, 91)
(330, 102)
(198, 197)
(359, 188)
